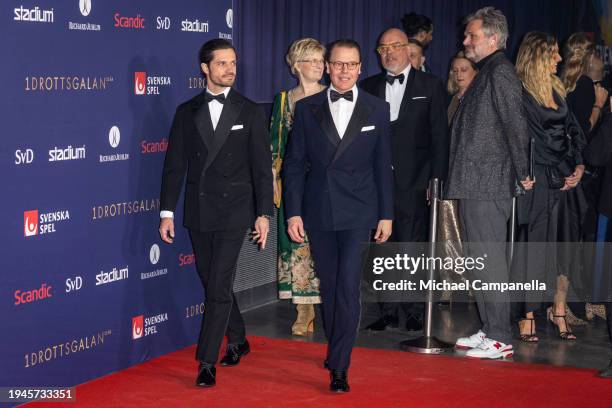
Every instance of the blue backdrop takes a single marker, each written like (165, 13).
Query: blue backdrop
(89, 89)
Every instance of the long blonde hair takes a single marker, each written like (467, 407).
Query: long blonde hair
(533, 67)
(577, 54)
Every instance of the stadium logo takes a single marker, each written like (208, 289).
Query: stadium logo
(24, 157)
(85, 7)
(112, 276)
(35, 15)
(69, 153)
(149, 85)
(33, 295)
(194, 26)
(39, 224)
(129, 22)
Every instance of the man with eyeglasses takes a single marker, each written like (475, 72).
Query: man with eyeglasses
(419, 142)
(219, 140)
(338, 188)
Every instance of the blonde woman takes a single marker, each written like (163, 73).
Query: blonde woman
(549, 209)
(461, 74)
(586, 100)
(296, 276)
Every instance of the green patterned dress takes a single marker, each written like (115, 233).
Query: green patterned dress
(296, 276)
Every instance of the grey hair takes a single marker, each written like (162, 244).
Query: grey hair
(493, 22)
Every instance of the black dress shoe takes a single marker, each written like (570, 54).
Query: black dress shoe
(234, 352)
(382, 323)
(206, 375)
(606, 372)
(414, 323)
(339, 382)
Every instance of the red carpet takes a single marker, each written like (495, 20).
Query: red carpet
(284, 373)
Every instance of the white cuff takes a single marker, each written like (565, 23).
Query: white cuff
(166, 214)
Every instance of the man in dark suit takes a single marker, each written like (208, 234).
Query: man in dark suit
(488, 162)
(338, 187)
(219, 139)
(419, 141)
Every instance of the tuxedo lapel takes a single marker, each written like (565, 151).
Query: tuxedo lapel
(202, 120)
(381, 88)
(408, 92)
(360, 115)
(229, 114)
(323, 114)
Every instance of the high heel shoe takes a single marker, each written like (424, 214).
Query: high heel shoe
(304, 323)
(564, 335)
(593, 311)
(531, 336)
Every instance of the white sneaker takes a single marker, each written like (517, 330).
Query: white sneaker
(490, 348)
(470, 342)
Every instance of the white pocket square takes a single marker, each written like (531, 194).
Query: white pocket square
(419, 97)
(237, 127)
(367, 128)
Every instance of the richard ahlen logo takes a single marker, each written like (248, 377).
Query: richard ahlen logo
(154, 256)
(85, 9)
(145, 326)
(35, 223)
(149, 85)
(114, 138)
(35, 15)
(229, 20)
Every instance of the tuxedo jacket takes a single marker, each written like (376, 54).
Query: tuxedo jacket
(229, 170)
(339, 184)
(419, 138)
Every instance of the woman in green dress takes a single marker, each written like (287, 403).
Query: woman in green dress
(296, 275)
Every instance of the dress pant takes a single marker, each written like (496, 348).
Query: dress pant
(407, 229)
(484, 230)
(216, 255)
(338, 257)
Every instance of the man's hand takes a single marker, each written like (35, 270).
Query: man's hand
(166, 230)
(573, 179)
(260, 231)
(528, 183)
(295, 229)
(383, 232)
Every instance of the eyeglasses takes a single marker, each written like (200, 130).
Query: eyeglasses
(313, 62)
(339, 65)
(383, 49)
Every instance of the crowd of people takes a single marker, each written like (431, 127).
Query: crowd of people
(351, 163)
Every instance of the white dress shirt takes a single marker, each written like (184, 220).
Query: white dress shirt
(215, 107)
(395, 93)
(341, 110)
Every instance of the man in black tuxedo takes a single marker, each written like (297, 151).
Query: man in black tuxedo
(219, 139)
(338, 186)
(419, 141)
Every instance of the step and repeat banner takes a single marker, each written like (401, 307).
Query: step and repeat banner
(89, 89)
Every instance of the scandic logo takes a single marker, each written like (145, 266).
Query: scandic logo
(129, 22)
(30, 223)
(28, 296)
(137, 327)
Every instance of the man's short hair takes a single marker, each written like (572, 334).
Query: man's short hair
(345, 43)
(206, 52)
(417, 43)
(493, 22)
(415, 23)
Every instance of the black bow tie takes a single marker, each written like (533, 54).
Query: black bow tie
(210, 97)
(334, 95)
(391, 78)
